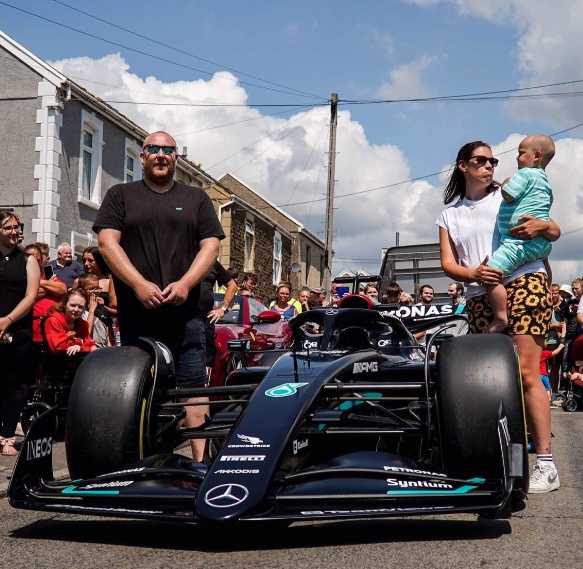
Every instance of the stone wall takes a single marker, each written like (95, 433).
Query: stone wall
(263, 250)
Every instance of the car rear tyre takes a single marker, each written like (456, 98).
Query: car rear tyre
(107, 417)
(477, 375)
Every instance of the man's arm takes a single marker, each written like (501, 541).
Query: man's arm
(54, 286)
(177, 292)
(148, 293)
(230, 293)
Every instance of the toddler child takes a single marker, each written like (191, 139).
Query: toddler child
(528, 192)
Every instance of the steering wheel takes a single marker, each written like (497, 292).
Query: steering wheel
(333, 321)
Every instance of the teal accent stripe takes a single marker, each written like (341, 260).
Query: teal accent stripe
(460, 308)
(72, 491)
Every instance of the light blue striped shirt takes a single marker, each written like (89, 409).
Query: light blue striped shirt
(531, 194)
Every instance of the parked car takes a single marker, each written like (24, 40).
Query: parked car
(248, 318)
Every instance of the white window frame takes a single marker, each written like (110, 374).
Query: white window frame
(249, 257)
(277, 257)
(91, 123)
(81, 241)
(132, 150)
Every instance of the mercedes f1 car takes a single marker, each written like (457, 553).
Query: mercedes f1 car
(357, 419)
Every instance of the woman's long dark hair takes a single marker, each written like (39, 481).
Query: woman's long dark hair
(456, 187)
(99, 260)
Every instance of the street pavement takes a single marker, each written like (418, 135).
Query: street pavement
(547, 534)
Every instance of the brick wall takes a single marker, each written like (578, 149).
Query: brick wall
(263, 257)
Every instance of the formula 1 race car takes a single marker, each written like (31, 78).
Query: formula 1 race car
(356, 420)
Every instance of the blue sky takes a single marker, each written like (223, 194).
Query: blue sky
(360, 49)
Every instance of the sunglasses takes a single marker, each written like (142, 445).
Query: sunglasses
(155, 149)
(481, 160)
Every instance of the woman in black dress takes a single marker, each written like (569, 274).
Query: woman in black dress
(19, 281)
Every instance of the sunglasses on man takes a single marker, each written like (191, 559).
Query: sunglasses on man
(155, 149)
(481, 160)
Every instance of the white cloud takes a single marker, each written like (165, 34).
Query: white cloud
(282, 158)
(406, 80)
(565, 176)
(285, 160)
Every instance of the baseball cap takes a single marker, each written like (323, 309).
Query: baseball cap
(317, 290)
(566, 288)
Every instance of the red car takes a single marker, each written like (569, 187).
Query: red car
(247, 319)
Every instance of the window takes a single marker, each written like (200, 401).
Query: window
(321, 269)
(308, 262)
(80, 241)
(277, 249)
(129, 169)
(249, 245)
(87, 172)
(132, 165)
(89, 189)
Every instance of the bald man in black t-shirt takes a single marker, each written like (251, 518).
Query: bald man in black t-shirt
(159, 238)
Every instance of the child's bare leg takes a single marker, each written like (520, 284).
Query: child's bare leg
(497, 299)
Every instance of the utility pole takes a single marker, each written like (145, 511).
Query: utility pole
(330, 191)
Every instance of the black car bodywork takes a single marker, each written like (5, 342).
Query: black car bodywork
(351, 423)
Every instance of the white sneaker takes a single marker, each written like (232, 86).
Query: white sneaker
(544, 478)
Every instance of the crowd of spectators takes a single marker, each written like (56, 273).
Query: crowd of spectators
(69, 308)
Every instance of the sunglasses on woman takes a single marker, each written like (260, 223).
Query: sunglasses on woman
(481, 160)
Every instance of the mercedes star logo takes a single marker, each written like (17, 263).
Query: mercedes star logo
(226, 495)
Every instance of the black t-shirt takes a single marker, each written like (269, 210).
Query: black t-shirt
(217, 274)
(160, 233)
(13, 282)
(570, 316)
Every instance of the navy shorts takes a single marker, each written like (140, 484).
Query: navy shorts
(186, 339)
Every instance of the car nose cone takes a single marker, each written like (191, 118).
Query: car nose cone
(226, 495)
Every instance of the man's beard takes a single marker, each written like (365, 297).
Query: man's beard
(155, 176)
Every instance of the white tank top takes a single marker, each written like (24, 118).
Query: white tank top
(471, 225)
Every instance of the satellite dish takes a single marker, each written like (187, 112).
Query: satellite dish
(295, 268)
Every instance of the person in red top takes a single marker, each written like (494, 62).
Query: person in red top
(50, 292)
(65, 331)
(545, 356)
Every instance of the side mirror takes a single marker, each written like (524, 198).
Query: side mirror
(239, 345)
(268, 317)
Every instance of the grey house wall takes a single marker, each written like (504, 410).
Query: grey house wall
(72, 215)
(18, 129)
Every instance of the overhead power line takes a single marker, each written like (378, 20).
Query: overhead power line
(184, 52)
(233, 123)
(453, 99)
(211, 105)
(416, 178)
(459, 95)
(145, 53)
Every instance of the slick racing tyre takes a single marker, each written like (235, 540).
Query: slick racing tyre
(478, 375)
(107, 415)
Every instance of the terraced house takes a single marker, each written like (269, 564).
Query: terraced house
(67, 147)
